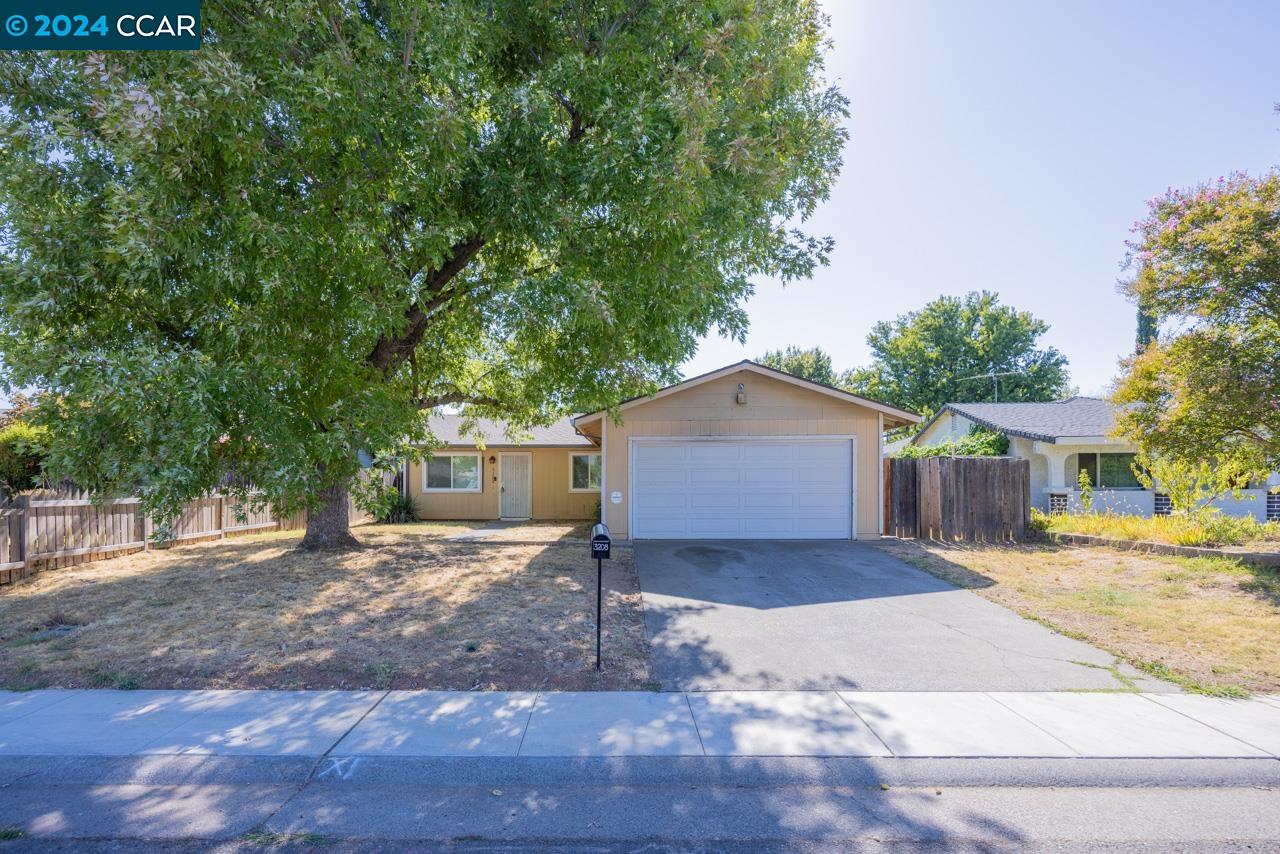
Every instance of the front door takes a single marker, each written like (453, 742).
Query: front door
(514, 485)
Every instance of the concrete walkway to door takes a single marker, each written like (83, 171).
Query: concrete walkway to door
(768, 614)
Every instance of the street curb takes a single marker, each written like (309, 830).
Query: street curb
(616, 771)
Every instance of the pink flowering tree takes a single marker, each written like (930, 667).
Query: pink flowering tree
(1206, 265)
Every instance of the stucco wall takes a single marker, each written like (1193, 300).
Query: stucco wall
(551, 496)
(773, 408)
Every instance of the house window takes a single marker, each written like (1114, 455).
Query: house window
(584, 472)
(1273, 506)
(1108, 471)
(1057, 502)
(1163, 507)
(451, 473)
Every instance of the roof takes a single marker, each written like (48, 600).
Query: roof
(904, 416)
(448, 429)
(1045, 422)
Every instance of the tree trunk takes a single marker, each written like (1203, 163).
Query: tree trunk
(329, 525)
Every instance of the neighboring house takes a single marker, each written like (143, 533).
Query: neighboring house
(1062, 437)
(742, 452)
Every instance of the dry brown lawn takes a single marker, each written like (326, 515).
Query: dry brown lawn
(408, 611)
(1209, 624)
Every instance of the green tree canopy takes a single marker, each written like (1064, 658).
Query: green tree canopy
(1207, 266)
(811, 364)
(268, 254)
(922, 358)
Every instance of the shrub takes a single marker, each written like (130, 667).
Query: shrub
(21, 457)
(980, 442)
(1041, 521)
(399, 510)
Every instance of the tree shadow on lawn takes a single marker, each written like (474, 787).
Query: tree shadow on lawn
(409, 614)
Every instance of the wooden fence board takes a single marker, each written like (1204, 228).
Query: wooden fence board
(958, 498)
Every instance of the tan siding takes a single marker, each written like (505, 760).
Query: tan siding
(773, 408)
(551, 496)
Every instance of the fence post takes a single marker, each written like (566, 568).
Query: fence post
(222, 518)
(147, 530)
(21, 502)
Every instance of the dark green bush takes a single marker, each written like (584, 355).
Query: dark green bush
(399, 511)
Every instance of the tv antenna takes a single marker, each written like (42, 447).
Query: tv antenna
(994, 376)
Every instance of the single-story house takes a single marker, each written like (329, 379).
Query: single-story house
(1062, 437)
(742, 452)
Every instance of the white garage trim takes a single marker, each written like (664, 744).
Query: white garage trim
(852, 440)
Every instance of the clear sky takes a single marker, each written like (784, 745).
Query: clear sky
(1010, 146)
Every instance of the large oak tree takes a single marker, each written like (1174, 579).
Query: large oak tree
(270, 254)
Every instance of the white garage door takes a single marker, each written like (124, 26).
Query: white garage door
(765, 489)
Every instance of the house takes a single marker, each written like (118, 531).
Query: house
(742, 452)
(1061, 438)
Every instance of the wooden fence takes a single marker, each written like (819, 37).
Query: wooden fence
(46, 529)
(957, 498)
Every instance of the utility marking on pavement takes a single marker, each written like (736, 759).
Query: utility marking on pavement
(342, 767)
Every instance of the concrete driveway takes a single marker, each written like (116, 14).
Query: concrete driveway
(832, 614)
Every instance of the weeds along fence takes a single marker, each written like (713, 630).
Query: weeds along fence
(48, 529)
(986, 499)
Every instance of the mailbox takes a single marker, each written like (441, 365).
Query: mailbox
(600, 541)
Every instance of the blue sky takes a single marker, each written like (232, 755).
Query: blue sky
(1010, 146)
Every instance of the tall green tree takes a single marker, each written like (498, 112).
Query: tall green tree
(1207, 261)
(270, 254)
(811, 364)
(946, 351)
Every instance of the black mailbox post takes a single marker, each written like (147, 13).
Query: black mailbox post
(600, 544)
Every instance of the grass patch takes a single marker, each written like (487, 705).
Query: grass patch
(410, 610)
(1208, 528)
(1207, 625)
(273, 838)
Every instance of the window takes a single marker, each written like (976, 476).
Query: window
(452, 473)
(1163, 506)
(1057, 502)
(584, 472)
(1273, 506)
(1109, 471)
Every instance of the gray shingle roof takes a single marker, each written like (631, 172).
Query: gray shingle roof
(447, 428)
(1046, 422)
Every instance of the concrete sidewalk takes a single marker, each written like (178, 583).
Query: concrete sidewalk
(392, 724)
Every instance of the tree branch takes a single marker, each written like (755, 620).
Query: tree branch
(391, 351)
(455, 398)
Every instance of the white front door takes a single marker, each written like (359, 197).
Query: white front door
(515, 486)
(742, 489)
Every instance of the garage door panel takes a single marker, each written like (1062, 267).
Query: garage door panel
(764, 452)
(656, 501)
(770, 501)
(770, 477)
(712, 452)
(712, 477)
(715, 526)
(731, 489)
(832, 476)
(822, 453)
(657, 478)
(715, 501)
